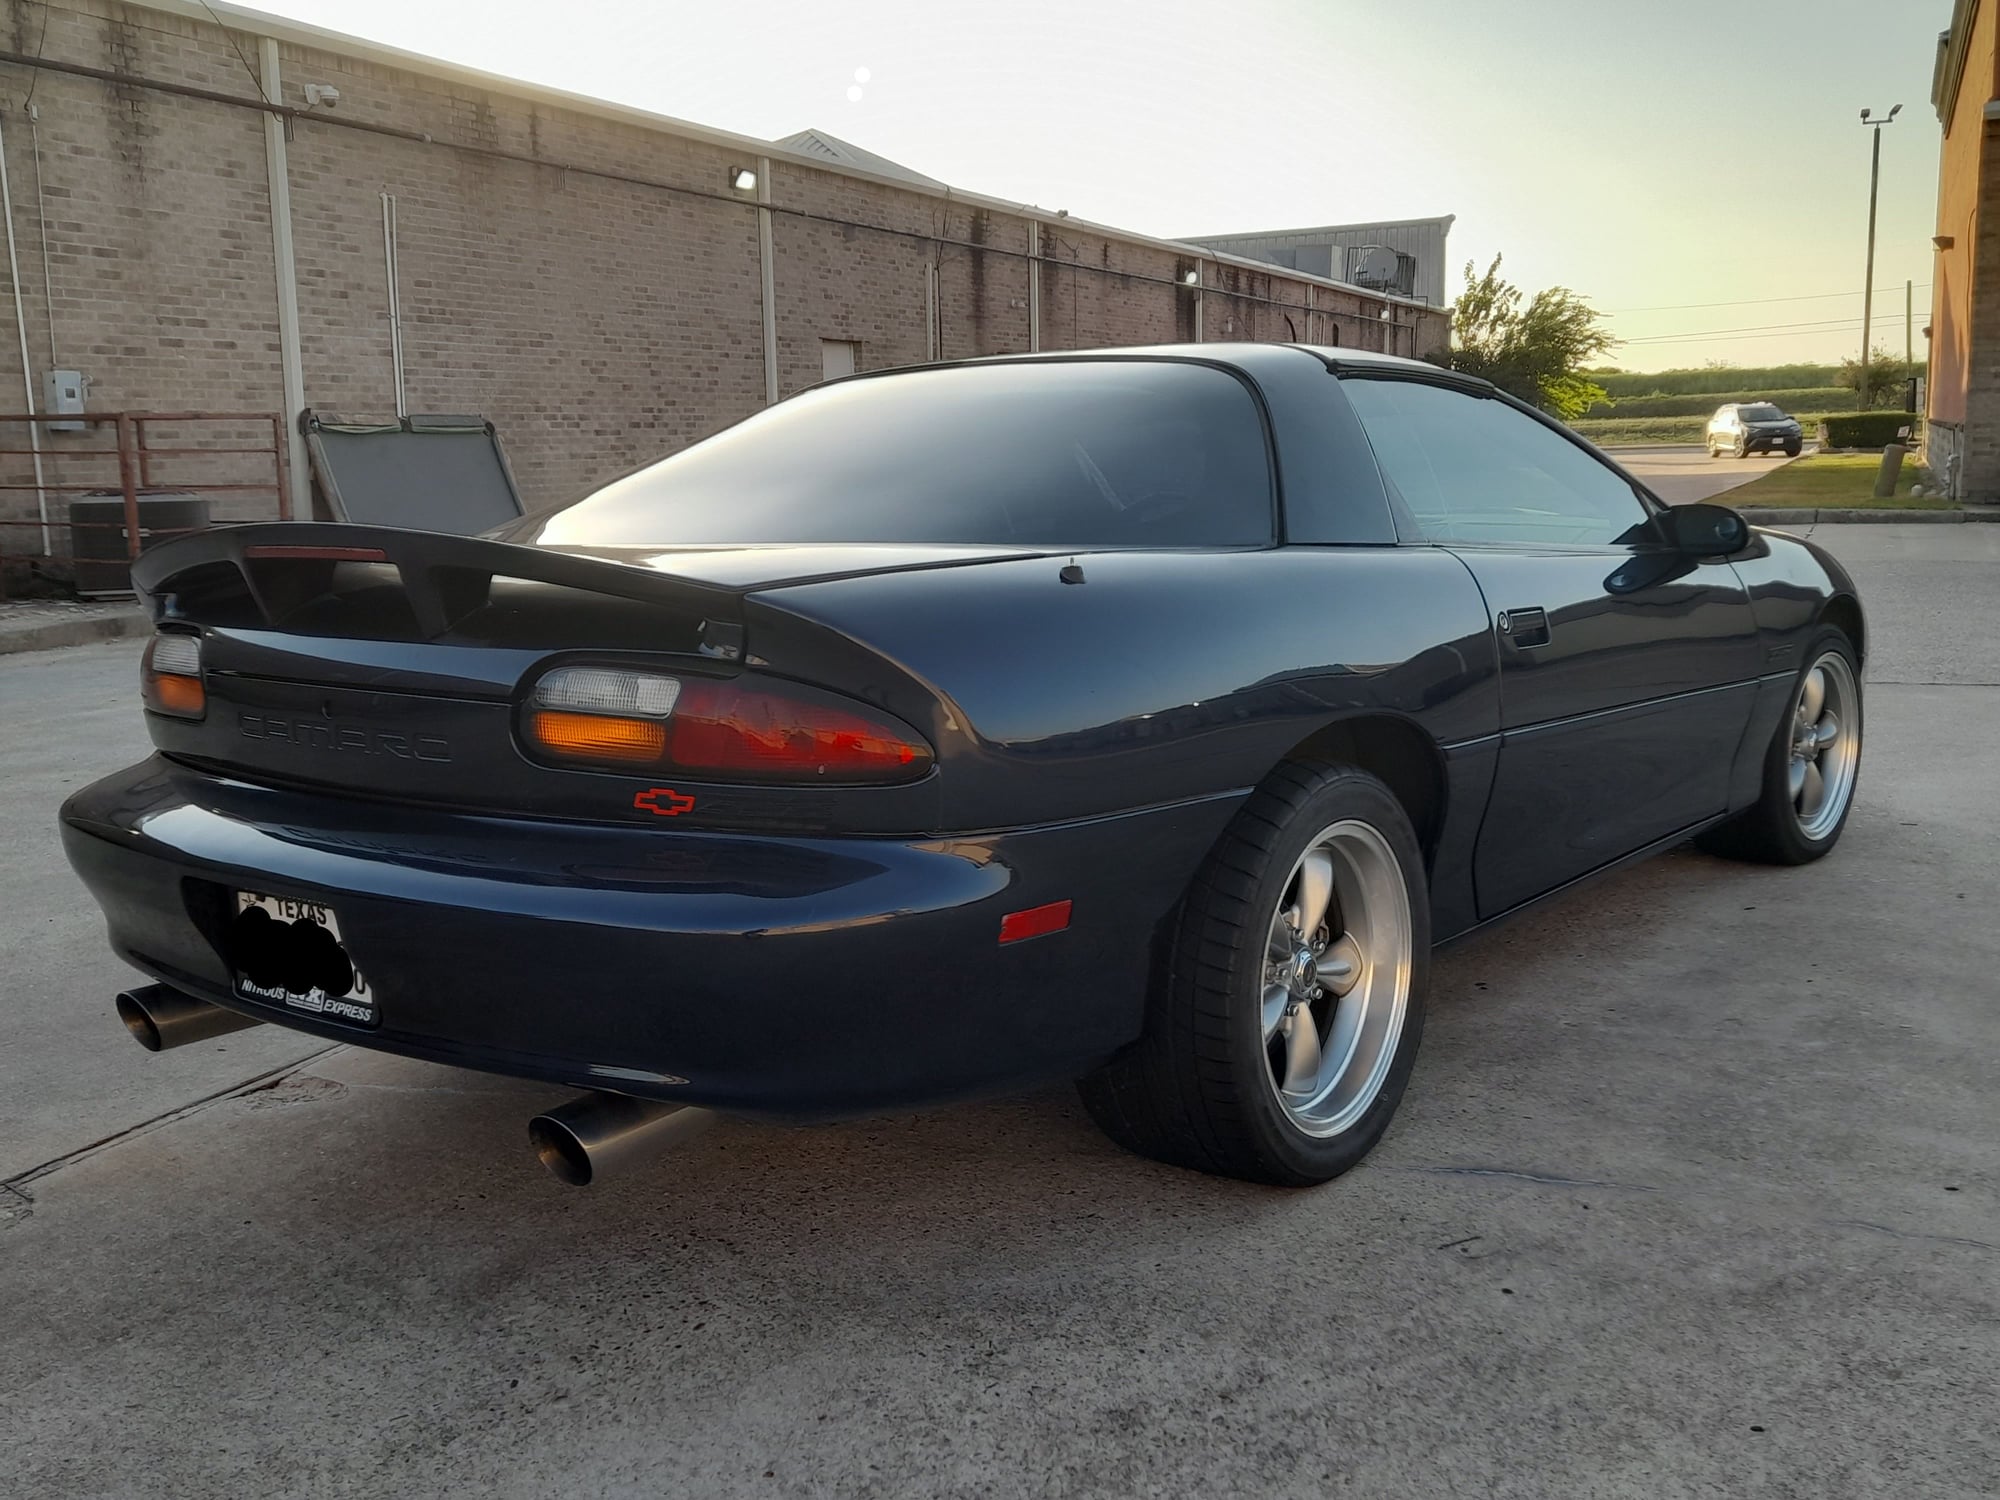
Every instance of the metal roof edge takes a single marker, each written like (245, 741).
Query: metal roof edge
(1949, 74)
(302, 34)
(1447, 220)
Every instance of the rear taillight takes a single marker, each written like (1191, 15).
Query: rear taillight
(170, 677)
(745, 729)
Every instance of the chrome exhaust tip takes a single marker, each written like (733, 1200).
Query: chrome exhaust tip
(594, 1133)
(160, 1017)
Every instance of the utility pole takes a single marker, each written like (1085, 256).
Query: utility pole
(1868, 289)
(1910, 344)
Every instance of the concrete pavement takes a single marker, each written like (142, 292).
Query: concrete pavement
(67, 717)
(1696, 1192)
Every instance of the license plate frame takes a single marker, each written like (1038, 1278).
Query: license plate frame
(270, 954)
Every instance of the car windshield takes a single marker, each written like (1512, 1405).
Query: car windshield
(1764, 413)
(1084, 453)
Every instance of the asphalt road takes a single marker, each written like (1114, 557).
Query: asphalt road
(1682, 475)
(1696, 1192)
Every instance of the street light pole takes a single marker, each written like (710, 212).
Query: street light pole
(1868, 287)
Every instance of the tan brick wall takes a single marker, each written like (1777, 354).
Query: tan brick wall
(600, 303)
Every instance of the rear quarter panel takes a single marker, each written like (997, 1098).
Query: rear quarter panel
(1162, 676)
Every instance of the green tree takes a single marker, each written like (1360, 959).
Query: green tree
(1535, 348)
(1886, 374)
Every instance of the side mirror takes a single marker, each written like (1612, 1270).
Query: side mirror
(1705, 530)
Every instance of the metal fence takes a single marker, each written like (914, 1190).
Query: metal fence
(137, 463)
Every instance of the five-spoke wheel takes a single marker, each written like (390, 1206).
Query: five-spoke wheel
(1810, 768)
(1336, 978)
(1285, 1024)
(1826, 745)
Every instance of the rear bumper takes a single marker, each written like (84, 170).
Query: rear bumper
(774, 975)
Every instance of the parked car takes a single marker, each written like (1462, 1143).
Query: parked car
(1144, 717)
(1753, 427)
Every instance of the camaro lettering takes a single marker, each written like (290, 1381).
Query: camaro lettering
(318, 734)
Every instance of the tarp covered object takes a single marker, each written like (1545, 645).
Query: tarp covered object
(426, 473)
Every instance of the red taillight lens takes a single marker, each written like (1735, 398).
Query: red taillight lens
(762, 733)
(742, 730)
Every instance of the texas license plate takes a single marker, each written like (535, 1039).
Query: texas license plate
(290, 953)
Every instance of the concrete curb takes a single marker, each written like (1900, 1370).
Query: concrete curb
(1805, 516)
(50, 634)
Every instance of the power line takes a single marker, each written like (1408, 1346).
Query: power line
(256, 78)
(1843, 330)
(1702, 333)
(1754, 301)
(35, 76)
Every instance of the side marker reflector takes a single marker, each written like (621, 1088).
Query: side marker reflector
(1036, 921)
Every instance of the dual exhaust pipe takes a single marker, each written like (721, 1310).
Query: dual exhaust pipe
(160, 1017)
(593, 1133)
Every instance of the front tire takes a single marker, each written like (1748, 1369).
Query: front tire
(1811, 768)
(1279, 1041)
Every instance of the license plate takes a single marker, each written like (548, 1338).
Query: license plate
(290, 953)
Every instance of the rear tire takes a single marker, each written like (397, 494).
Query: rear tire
(1811, 769)
(1283, 1067)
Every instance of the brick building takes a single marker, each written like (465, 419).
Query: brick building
(197, 225)
(1963, 402)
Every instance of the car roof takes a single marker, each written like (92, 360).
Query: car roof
(1253, 357)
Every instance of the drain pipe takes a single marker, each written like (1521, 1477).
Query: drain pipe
(393, 275)
(42, 232)
(21, 328)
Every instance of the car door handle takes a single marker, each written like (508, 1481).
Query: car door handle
(1525, 627)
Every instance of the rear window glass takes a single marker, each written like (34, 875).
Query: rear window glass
(1111, 453)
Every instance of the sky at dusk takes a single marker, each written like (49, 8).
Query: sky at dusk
(1698, 170)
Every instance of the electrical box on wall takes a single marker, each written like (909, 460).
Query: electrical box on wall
(62, 396)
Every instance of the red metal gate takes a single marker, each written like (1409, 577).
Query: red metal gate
(138, 459)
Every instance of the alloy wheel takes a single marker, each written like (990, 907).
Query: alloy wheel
(1826, 745)
(1336, 978)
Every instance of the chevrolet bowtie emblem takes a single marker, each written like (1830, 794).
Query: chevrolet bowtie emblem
(662, 802)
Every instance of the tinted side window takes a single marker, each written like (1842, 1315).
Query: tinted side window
(1477, 470)
(1098, 453)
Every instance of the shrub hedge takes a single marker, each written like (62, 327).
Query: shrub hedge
(1864, 429)
(1808, 399)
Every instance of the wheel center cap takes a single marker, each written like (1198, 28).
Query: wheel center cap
(1304, 975)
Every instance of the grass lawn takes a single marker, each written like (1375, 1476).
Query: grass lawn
(1831, 480)
(1610, 431)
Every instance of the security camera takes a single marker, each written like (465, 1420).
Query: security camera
(321, 93)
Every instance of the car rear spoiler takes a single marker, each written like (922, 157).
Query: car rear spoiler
(270, 572)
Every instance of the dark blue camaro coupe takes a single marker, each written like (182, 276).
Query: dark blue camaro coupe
(1142, 717)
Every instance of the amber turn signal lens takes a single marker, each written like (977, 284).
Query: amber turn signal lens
(179, 695)
(598, 736)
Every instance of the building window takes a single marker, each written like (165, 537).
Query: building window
(838, 357)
